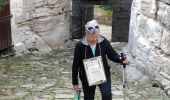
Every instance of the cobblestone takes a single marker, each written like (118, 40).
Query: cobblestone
(48, 77)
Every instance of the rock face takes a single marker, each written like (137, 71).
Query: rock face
(39, 24)
(149, 39)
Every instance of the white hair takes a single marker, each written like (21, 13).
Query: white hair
(91, 23)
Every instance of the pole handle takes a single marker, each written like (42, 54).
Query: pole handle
(123, 57)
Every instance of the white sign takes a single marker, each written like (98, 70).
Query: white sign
(94, 70)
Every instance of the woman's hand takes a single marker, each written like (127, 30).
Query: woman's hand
(125, 61)
(76, 87)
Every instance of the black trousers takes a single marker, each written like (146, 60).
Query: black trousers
(105, 89)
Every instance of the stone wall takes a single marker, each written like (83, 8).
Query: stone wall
(39, 24)
(149, 40)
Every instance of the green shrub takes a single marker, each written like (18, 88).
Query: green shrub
(107, 8)
(3, 2)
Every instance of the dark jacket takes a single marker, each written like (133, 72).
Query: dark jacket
(79, 55)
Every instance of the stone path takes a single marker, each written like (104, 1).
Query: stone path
(39, 76)
(106, 31)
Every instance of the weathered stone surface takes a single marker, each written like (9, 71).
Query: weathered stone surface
(27, 79)
(168, 93)
(167, 88)
(51, 2)
(22, 94)
(148, 8)
(166, 1)
(20, 48)
(120, 93)
(165, 83)
(43, 86)
(28, 86)
(64, 96)
(29, 39)
(163, 14)
(38, 3)
(45, 22)
(165, 75)
(149, 39)
(150, 30)
(165, 42)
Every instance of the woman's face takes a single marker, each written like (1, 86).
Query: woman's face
(93, 34)
(92, 38)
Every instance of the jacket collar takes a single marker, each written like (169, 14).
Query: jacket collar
(84, 40)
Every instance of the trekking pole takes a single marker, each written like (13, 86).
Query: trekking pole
(77, 95)
(124, 66)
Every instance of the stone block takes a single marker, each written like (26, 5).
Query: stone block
(41, 87)
(52, 2)
(16, 12)
(167, 88)
(20, 48)
(165, 75)
(163, 14)
(150, 30)
(58, 35)
(165, 41)
(34, 41)
(35, 19)
(64, 96)
(165, 82)
(41, 12)
(19, 3)
(168, 92)
(39, 3)
(155, 59)
(40, 27)
(166, 1)
(20, 19)
(117, 93)
(149, 8)
(13, 4)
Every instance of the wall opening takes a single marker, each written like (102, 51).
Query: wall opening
(103, 14)
(85, 10)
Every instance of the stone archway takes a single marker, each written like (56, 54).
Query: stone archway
(83, 12)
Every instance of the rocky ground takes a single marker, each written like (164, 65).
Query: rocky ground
(47, 76)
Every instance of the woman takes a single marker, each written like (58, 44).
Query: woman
(93, 45)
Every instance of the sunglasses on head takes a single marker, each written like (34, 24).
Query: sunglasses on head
(96, 27)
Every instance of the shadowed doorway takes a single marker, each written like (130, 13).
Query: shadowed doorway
(103, 14)
(85, 10)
